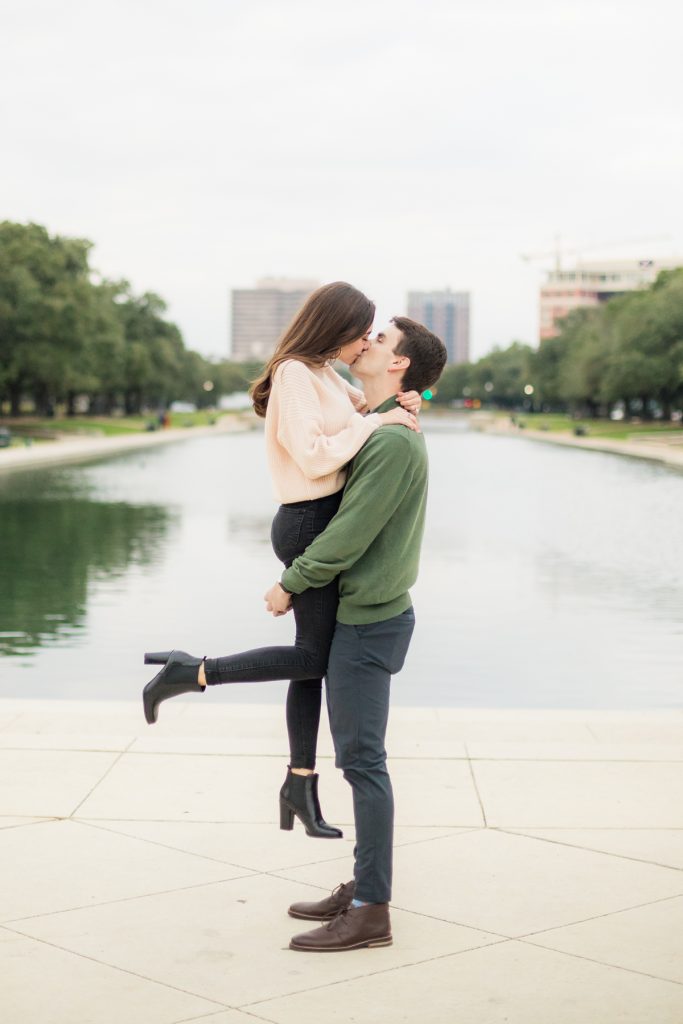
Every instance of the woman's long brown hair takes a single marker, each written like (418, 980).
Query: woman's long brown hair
(331, 317)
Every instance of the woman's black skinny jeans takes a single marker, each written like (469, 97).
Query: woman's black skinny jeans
(315, 613)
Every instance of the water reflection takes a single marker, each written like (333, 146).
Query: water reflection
(251, 528)
(549, 577)
(55, 542)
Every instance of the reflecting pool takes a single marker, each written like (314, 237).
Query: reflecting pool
(551, 577)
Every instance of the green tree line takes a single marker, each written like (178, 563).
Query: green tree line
(66, 333)
(628, 350)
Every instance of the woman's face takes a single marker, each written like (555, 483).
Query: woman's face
(350, 352)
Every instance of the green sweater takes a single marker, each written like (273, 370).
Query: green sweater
(373, 542)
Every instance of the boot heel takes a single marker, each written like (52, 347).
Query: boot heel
(299, 797)
(157, 657)
(286, 817)
(179, 675)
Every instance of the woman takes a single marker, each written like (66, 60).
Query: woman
(314, 426)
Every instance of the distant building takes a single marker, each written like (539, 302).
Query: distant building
(261, 314)
(589, 284)
(447, 314)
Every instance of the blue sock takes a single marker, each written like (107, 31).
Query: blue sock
(358, 903)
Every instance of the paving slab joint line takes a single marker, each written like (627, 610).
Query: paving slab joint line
(67, 750)
(297, 881)
(90, 823)
(126, 899)
(590, 731)
(394, 906)
(277, 872)
(591, 849)
(283, 755)
(571, 760)
(602, 963)
(594, 828)
(273, 823)
(459, 924)
(220, 753)
(218, 821)
(26, 824)
(373, 974)
(474, 783)
(599, 917)
(11, 721)
(463, 830)
(214, 1013)
(100, 780)
(121, 970)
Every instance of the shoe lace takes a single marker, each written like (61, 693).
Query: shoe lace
(342, 912)
(339, 891)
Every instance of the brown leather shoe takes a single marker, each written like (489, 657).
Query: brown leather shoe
(352, 928)
(325, 910)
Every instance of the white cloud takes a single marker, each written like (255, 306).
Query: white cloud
(396, 145)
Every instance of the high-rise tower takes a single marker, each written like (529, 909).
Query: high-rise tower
(261, 314)
(447, 314)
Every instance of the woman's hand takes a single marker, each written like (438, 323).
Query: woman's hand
(278, 601)
(400, 416)
(410, 400)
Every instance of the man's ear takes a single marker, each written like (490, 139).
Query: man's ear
(399, 364)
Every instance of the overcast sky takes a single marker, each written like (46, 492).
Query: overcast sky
(397, 145)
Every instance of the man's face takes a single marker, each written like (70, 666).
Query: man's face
(379, 358)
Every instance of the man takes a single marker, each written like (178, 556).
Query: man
(373, 545)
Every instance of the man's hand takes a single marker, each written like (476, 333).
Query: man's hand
(278, 601)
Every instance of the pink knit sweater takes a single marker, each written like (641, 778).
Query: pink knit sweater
(313, 428)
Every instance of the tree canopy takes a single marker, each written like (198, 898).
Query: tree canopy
(65, 333)
(628, 351)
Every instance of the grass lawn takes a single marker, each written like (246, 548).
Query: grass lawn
(618, 430)
(43, 428)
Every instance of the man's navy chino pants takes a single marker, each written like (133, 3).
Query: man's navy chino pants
(362, 662)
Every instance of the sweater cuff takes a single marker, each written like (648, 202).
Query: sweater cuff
(293, 581)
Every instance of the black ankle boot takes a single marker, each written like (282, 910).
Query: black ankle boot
(299, 795)
(179, 675)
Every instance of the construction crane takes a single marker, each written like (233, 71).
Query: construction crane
(558, 252)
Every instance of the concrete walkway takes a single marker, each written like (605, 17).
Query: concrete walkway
(538, 870)
(79, 448)
(665, 449)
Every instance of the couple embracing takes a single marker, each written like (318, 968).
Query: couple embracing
(350, 468)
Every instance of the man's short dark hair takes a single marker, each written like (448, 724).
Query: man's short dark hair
(426, 352)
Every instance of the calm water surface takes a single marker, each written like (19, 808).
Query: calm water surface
(550, 577)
